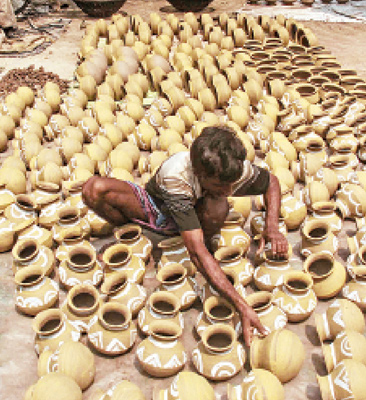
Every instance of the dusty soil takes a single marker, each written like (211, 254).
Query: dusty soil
(18, 361)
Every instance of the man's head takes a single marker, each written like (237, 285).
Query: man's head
(217, 157)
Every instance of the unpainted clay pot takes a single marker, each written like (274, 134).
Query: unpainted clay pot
(125, 390)
(328, 275)
(346, 380)
(219, 356)
(162, 353)
(257, 381)
(112, 330)
(341, 315)
(282, 345)
(347, 345)
(72, 359)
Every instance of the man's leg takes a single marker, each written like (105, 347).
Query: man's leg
(113, 200)
(212, 213)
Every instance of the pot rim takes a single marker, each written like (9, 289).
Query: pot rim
(126, 229)
(79, 289)
(25, 272)
(114, 283)
(116, 307)
(168, 297)
(81, 249)
(173, 268)
(45, 316)
(299, 276)
(172, 328)
(223, 252)
(225, 329)
(314, 257)
(116, 248)
(214, 301)
(257, 297)
(21, 245)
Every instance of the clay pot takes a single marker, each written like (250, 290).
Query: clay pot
(35, 292)
(341, 315)
(161, 306)
(270, 273)
(119, 258)
(58, 384)
(112, 331)
(345, 381)
(342, 166)
(72, 359)
(269, 314)
(232, 234)
(119, 289)
(22, 212)
(52, 329)
(317, 237)
(162, 353)
(81, 305)
(351, 201)
(347, 345)
(355, 289)
(174, 251)
(218, 356)
(80, 267)
(295, 296)
(216, 310)
(173, 278)
(325, 211)
(257, 381)
(314, 192)
(263, 354)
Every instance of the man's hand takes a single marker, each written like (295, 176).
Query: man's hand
(249, 321)
(279, 244)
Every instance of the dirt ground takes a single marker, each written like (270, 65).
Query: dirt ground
(18, 361)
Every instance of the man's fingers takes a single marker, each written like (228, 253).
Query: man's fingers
(247, 333)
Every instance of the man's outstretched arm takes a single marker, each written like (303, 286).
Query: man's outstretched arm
(210, 269)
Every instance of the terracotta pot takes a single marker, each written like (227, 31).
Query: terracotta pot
(263, 354)
(345, 380)
(258, 380)
(317, 237)
(162, 353)
(80, 306)
(73, 359)
(218, 356)
(112, 331)
(270, 315)
(52, 329)
(295, 296)
(341, 315)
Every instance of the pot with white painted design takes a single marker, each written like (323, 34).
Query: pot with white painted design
(217, 310)
(80, 267)
(7, 197)
(112, 330)
(341, 315)
(328, 275)
(232, 233)
(295, 296)
(98, 225)
(257, 381)
(257, 225)
(325, 211)
(219, 356)
(271, 271)
(293, 211)
(70, 241)
(173, 278)
(123, 390)
(174, 251)
(131, 235)
(22, 212)
(162, 353)
(234, 265)
(120, 289)
(73, 359)
(281, 352)
(80, 306)
(347, 345)
(351, 201)
(347, 381)
(73, 190)
(52, 329)
(358, 240)
(269, 314)
(28, 252)
(355, 290)
(119, 257)
(35, 292)
(161, 306)
(317, 237)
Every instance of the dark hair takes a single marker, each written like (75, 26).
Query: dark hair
(218, 152)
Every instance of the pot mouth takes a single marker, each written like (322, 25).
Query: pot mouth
(260, 301)
(233, 217)
(218, 309)
(218, 337)
(48, 322)
(25, 202)
(29, 276)
(362, 254)
(228, 254)
(171, 242)
(172, 274)
(164, 302)
(168, 331)
(319, 265)
(113, 284)
(316, 230)
(324, 206)
(83, 299)
(360, 272)
(117, 255)
(298, 281)
(128, 233)
(25, 250)
(48, 186)
(68, 215)
(114, 316)
(81, 258)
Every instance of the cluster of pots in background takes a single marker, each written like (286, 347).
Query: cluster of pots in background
(144, 91)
